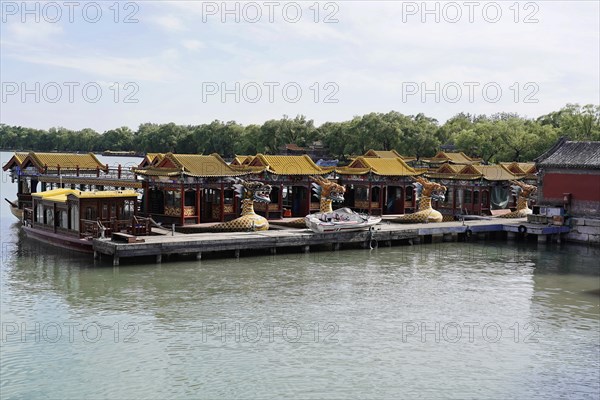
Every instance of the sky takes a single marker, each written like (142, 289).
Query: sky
(107, 64)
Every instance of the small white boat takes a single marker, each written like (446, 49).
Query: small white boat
(341, 220)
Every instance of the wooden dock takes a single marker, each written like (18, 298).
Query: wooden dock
(302, 239)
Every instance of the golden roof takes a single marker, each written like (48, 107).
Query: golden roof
(387, 154)
(190, 165)
(379, 166)
(241, 160)
(470, 172)
(520, 167)
(286, 165)
(495, 172)
(60, 195)
(17, 159)
(455, 158)
(66, 161)
(151, 159)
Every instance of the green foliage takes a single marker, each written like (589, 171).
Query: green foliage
(495, 138)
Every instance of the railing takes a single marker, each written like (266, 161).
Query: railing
(137, 226)
(88, 228)
(122, 173)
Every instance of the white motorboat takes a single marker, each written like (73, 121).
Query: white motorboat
(341, 220)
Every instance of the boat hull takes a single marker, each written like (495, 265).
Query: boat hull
(59, 240)
(14, 210)
(343, 220)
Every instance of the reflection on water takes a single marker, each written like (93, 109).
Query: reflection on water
(481, 320)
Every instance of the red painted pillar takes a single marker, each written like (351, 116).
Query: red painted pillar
(369, 194)
(222, 201)
(281, 200)
(198, 197)
(308, 197)
(182, 202)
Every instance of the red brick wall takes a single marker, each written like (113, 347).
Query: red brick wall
(582, 187)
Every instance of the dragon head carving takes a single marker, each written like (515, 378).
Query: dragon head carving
(426, 188)
(253, 190)
(325, 188)
(523, 189)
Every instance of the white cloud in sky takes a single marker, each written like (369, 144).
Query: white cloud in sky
(193, 44)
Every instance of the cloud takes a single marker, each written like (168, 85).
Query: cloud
(192, 44)
(169, 23)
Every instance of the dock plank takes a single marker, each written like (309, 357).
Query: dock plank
(386, 231)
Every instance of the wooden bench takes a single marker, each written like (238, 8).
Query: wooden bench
(125, 237)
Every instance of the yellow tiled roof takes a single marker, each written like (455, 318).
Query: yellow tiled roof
(495, 172)
(68, 161)
(191, 165)
(380, 166)
(17, 159)
(241, 160)
(287, 165)
(382, 153)
(387, 154)
(467, 172)
(455, 158)
(151, 159)
(520, 167)
(200, 165)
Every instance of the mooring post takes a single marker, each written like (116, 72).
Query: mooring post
(159, 258)
(172, 229)
(273, 250)
(237, 253)
(115, 260)
(336, 246)
(199, 256)
(307, 249)
(96, 255)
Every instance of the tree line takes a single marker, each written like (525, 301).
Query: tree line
(494, 138)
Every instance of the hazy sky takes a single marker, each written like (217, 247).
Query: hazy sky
(106, 64)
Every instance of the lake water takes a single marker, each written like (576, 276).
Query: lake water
(451, 320)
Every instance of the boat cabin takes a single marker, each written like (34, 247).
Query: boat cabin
(84, 213)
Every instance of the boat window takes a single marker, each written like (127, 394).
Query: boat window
(485, 198)
(190, 197)
(228, 196)
(90, 213)
(476, 197)
(172, 198)
(64, 219)
(39, 214)
(361, 193)
(49, 217)
(375, 193)
(274, 195)
(127, 210)
(467, 194)
(75, 217)
(104, 211)
(449, 196)
(410, 192)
